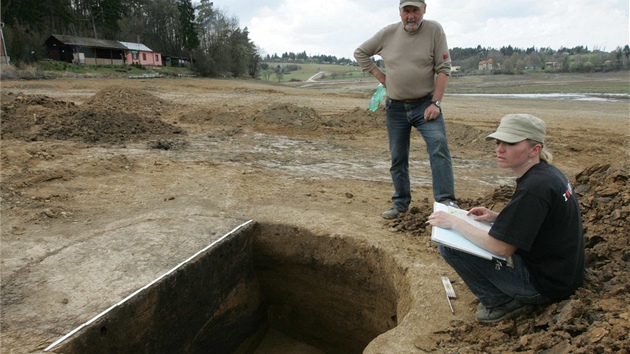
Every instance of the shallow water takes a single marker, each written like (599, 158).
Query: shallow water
(597, 97)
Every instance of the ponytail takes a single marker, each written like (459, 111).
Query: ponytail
(544, 155)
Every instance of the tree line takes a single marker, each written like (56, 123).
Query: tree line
(505, 60)
(214, 41)
(511, 60)
(303, 57)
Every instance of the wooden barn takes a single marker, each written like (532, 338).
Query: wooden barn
(82, 50)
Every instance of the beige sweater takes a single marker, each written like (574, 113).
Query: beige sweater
(412, 59)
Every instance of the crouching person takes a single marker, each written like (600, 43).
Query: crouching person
(539, 231)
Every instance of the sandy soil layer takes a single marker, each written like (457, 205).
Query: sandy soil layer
(84, 159)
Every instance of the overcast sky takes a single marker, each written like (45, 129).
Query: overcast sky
(337, 27)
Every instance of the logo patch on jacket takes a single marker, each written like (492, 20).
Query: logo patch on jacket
(444, 56)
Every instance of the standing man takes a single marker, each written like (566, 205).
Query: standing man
(418, 65)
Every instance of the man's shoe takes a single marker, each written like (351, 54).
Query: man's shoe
(494, 315)
(392, 213)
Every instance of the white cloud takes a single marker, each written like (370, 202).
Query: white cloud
(332, 28)
(553, 24)
(338, 27)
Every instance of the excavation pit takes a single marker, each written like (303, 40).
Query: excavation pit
(262, 288)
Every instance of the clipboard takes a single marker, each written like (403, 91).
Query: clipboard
(453, 239)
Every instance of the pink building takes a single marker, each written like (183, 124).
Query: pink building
(139, 53)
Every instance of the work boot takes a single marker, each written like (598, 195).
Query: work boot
(494, 315)
(392, 213)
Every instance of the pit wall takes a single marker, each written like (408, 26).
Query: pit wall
(329, 292)
(211, 304)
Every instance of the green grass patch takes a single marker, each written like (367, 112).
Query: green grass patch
(307, 70)
(60, 66)
(529, 83)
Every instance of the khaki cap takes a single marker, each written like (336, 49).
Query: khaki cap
(518, 127)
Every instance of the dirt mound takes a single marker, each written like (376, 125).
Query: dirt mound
(358, 118)
(11, 101)
(100, 126)
(132, 100)
(462, 136)
(287, 116)
(594, 320)
(99, 121)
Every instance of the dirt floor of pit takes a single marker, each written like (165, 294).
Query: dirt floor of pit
(83, 159)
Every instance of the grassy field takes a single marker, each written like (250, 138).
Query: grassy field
(332, 72)
(612, 83)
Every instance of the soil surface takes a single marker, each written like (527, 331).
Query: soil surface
(82, 158)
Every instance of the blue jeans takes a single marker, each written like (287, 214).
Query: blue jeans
(493, 285)
(401, 117)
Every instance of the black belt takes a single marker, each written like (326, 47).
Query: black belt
(414, 100)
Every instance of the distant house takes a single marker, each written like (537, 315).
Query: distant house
(82, 50)
(138, 53)
(486, 65)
